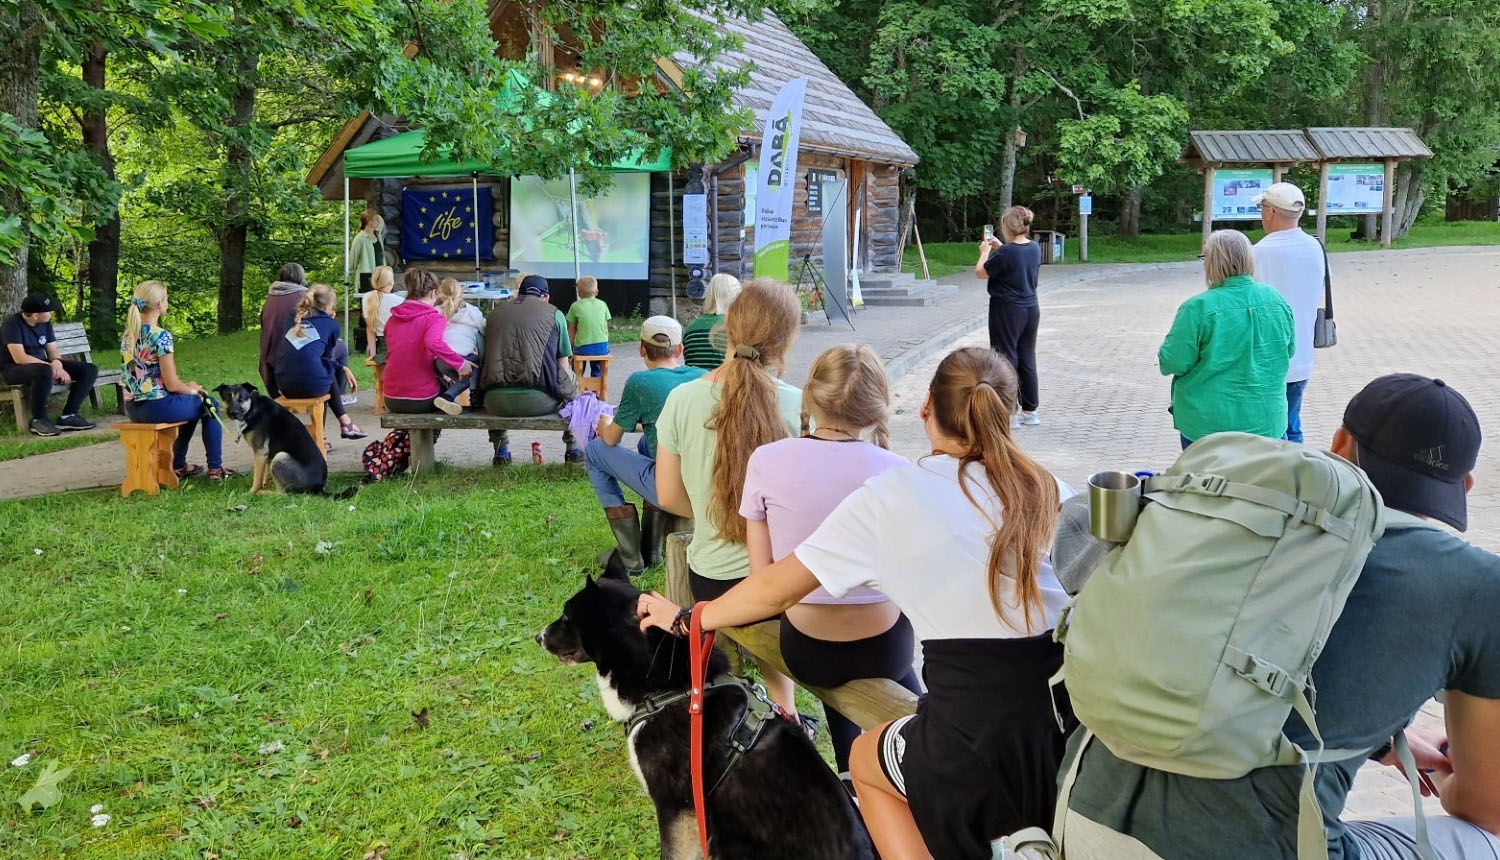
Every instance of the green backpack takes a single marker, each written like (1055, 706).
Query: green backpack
(1192, 642)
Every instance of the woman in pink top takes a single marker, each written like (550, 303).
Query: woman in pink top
(413, 341)
(791, 486)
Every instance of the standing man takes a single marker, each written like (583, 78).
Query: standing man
(1294, 263)
(31, 358)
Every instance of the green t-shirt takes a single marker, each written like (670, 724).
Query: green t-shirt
(592, 318)
(700, 348)
(680, 430)
(644, 396)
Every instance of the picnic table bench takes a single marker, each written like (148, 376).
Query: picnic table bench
(424, 426)
(72, 343)
(869, 702)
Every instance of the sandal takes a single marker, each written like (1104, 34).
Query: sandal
(186, 472)
(352, 432)
(221, 474)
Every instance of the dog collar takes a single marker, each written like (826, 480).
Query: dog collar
(758, 713)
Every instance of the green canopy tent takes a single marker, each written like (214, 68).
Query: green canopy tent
(400, 156)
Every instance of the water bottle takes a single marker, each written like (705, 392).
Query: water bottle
(536, 453)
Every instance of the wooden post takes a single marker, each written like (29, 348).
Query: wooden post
(1277, 171)
(1208, 201)
(1083, 237)
(921, 254)
(1388, 204)
(1323, 201)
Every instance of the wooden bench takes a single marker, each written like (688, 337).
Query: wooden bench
(424, 426)
(148, 456)
(314, 408)
(379, 370)
(72, 343)
(869, 702)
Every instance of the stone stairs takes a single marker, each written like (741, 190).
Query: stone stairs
(901, 290)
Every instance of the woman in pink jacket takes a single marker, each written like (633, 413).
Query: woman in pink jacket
(413, 341)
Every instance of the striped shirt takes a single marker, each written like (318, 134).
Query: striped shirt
(701, 347)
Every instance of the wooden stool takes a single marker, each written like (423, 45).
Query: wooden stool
(597, 384)
(313, 408)
(148, 456)
(379, 371)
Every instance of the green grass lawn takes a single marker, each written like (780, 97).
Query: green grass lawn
(14, 446)
(947, 258)
(274, 677)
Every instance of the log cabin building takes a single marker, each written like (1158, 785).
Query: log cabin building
(841, 138)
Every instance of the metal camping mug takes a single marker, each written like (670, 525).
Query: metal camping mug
(1114, 504)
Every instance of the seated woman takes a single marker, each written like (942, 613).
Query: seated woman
(957, 540)
(155, 394)
(1229, 348)
(465, 336)
(376, 307)
(310, 364)
(791, 486)
(414, 340)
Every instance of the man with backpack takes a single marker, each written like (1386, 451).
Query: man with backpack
(1419, 620)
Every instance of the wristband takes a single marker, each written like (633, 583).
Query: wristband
(681, 622)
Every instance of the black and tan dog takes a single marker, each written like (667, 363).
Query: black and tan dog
(284, 451)
(778, 799)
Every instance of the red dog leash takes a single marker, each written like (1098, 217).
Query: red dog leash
(700, 648)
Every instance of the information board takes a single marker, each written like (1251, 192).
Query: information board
(1235, 189)
(1355, 189)
(695, 229)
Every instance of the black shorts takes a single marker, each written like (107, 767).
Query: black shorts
(829, 663)
(704, 588)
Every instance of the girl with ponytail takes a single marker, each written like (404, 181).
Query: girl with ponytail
(155, 394)
(310, 362)
(959, 542)
(707, 430)
(791, 486)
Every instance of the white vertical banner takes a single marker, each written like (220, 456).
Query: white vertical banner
(778, 182)
(695, 229)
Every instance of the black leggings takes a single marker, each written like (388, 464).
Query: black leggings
(1013, 335)
(825, 663)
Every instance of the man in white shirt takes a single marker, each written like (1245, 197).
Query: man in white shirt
(1293, 262)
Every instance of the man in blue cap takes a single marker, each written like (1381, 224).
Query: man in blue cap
(30, 358)
(526, 373)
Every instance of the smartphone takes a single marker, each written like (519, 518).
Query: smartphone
(989, 232)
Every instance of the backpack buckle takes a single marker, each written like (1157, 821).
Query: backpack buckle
(1264, 675)
(1212, 485)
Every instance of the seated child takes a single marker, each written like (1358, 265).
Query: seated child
(465, 336)
(376, 307)
(588, 323)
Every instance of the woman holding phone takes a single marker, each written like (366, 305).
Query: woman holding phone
(1011, 270)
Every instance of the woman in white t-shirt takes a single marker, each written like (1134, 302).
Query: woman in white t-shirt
(959, 542)
(376, 307)
(791, 486)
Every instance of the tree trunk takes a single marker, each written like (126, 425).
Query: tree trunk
(104, 250)
(18, 88)
(1130, 214)
(238, 168)
(1374, 93)
(1409, 195)
(1008, 163)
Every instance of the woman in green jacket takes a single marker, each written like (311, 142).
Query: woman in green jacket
(1229, 349)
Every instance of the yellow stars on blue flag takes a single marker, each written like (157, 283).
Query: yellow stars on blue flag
(441, 224)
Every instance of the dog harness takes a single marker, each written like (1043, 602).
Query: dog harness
(752, 725)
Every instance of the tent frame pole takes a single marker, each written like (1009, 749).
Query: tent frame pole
(671, 239)
(573, 195)
(346, 257)
(474, 177)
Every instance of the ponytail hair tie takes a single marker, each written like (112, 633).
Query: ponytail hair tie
(745, 351)
(140, 304)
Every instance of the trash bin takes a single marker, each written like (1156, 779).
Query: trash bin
(1052, 244)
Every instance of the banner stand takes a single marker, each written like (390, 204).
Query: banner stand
(346, 258)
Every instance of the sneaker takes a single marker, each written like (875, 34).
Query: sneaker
(43, 427)
(351, 399)
(451, 407)
(573, 455)
(75, 422)
(501, 458)
(1015, 422)
(1030, 419)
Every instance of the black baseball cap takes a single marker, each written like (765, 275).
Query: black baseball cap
(38, 303)
(1418, 440)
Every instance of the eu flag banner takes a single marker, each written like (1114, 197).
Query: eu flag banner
(439, 224)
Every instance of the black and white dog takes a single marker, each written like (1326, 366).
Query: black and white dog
(284, 450)
(778, 799)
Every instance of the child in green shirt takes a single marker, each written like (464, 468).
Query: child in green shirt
(588, 322)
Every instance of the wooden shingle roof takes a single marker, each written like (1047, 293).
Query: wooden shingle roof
(834, 119)
(1250, 147)
(1377, 143)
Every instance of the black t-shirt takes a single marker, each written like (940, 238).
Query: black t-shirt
(1013, 269)
(32, 338)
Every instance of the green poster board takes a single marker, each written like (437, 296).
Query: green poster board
(1355, 189)
(1235, 189)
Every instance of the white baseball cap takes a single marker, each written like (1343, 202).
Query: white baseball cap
(661, 331)
(1282, 195)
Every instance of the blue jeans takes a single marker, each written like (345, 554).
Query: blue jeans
(609, 466)
(182, 407)
(601, 348)
(1294, 410)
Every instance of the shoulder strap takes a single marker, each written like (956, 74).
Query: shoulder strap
(1327, 283)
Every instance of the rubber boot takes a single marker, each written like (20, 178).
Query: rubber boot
(654, 523)
(627, 529)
